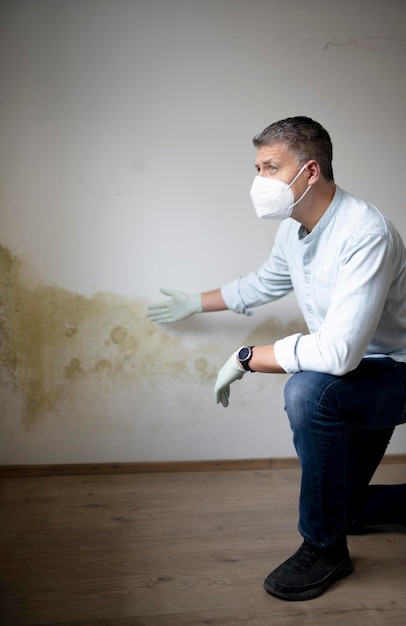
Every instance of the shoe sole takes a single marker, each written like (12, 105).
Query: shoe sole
(284, 592)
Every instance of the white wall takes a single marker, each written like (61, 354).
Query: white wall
(126, 161)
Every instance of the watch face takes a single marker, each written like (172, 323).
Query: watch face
(244, 353)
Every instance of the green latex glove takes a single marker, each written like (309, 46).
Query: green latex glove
(230, 372)
(179, 307)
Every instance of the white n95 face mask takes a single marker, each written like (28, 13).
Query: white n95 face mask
(272, 198)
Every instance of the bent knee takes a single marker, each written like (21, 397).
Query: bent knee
(304, 390)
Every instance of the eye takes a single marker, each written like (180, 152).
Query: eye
(272, 168)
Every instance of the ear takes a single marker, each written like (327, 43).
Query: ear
(313, 171)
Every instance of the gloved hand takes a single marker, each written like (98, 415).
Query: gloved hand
(179, 307)
(230, 372)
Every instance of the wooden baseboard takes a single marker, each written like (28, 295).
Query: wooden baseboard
(83, 469)
(146, 467)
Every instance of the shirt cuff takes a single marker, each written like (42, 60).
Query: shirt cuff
(285, 353)
(232, 298)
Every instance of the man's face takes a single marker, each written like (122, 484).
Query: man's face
(277, 162)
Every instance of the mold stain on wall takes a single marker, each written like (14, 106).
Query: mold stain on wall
(272, 329)
(53, 340)
(59, 348)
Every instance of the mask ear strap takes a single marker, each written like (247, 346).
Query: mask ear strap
(300, 172)
(302, 196)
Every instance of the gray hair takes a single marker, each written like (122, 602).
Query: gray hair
(305, 138)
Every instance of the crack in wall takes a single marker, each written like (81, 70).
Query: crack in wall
(392, 44)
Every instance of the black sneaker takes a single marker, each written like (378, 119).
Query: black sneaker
(309, 572)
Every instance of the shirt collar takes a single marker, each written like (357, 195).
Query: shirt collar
(323, 221)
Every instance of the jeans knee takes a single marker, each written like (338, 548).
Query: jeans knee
(303, 394)
(292, 394)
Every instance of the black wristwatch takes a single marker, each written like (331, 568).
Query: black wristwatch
(244, 357)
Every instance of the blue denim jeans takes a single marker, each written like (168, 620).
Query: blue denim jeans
(341, 428)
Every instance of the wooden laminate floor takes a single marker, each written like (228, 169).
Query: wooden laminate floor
(178, 549)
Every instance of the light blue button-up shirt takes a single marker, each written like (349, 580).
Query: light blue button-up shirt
(349, 278)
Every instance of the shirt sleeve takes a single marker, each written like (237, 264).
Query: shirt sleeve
(356, 307)
(271, 282)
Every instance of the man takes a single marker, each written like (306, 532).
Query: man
(347, 265)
